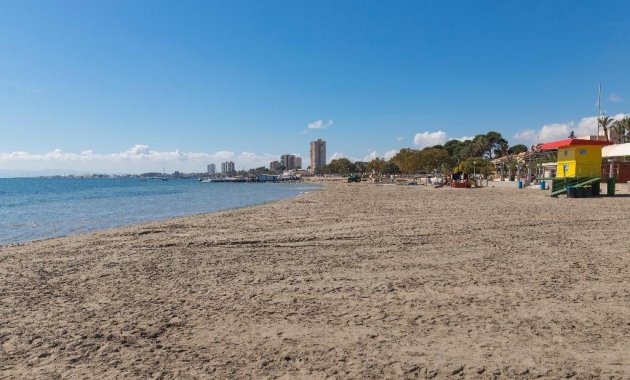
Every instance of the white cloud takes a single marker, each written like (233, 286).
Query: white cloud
(550, 132)
(463, 138)
(336, 156)
(370, 156)
(319, 124)
(615, 98)
(137, 159)
(556, 131)
(426, 138)
(527, 135)
(400, 138)
(390, 153)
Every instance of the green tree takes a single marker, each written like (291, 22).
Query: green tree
(453, 152)
(376, 165)
(620, 130)
(479, 146)
(452, 146)
(408, 160)
(478, 165)
(322, 170)
(390, 168)
(516, 149)
(433, 159)
(361, 167)
(497, 145)
(458, 150)
(605, 123)
(465, 152)
(341, 166)
(492, 144)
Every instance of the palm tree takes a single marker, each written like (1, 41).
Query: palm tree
(621, 130)
(605, 122)
(617, 131)
(626, 129)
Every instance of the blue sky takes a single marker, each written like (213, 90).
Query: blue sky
(136, 85)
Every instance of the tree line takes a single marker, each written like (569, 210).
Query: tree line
(469, 156)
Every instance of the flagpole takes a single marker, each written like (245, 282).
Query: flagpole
(599, 108)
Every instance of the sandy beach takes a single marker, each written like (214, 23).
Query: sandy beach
(353, 281)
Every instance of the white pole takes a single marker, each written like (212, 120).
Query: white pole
(529, 175)
(599, 107)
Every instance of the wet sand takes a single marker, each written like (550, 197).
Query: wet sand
(353, 281)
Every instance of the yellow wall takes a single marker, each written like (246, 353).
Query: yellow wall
(579, 161)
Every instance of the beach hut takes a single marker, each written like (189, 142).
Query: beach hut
(579, 165)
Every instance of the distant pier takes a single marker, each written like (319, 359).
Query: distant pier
(258, 179)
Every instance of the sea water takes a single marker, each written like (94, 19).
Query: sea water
(38, 208)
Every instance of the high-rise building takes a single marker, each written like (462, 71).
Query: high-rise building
(291, 162)
(288, 161)
(227, 168)
(275, 166)
(318, 155)
(212, 169)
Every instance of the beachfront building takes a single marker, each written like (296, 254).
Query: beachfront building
(212, 169)
(318, 155)
(290, 162)
(618, 162)
(578, 158)
(579, 165)
(227, 168)
(287, 161)
(275, 166)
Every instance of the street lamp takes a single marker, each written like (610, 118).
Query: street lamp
(474, 169)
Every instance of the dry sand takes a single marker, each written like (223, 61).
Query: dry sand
(354, 281)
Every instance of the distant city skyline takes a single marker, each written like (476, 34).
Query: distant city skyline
(92, 90)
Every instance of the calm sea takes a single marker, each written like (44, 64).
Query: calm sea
(37, 208)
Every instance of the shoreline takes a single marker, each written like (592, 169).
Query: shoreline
(22, 243)
(353, 280)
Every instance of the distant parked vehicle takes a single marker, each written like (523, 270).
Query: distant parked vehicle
(354, 178)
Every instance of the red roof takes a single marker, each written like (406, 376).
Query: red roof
(572, 142)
